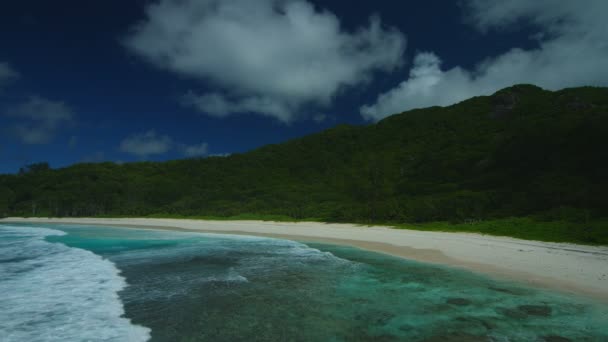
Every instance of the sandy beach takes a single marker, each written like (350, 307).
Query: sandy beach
(564, 267)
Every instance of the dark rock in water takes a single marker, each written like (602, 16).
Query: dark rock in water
(378, 317)
(556, 338)
(524, 311)
(384, 318)
(503, 290)
(457, 337)
(536, 310)
(380, 338)
(488, 325)
(406, 328)
(361, 301)
(458, 301)
(512, 313)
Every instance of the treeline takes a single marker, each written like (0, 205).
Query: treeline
(523, 151)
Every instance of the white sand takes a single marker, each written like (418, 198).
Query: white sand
(566, 267)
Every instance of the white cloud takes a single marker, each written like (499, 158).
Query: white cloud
(150, 143)
(271, 57)
(39, 119)
(7, 74)
(195, 150)
(218, 105)
(146, 144)
(573, 51)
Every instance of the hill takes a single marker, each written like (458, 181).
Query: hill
(522, 152)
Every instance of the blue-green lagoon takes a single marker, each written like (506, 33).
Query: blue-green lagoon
(85, 283)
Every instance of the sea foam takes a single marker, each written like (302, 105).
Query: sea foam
(51, 292)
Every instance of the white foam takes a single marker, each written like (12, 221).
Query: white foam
(51, 292)
(231, 276)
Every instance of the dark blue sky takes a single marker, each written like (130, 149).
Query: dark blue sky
(71, 57)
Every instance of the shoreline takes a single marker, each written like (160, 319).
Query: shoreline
(564, 267)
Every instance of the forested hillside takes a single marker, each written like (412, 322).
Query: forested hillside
(523, 151)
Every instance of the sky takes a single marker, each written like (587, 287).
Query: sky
(137, 80)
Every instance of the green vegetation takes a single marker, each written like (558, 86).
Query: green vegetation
(522, 152)
(243, 217)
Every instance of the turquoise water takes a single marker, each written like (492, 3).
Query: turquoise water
(108, 284)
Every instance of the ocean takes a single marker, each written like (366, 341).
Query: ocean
(87, 283)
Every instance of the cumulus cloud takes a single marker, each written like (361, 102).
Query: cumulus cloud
(195, 150)
(7, 74)
(270, 57)
(38, 119)
(150, 143)
(218, 105)
(146, 144)
(572, 51)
